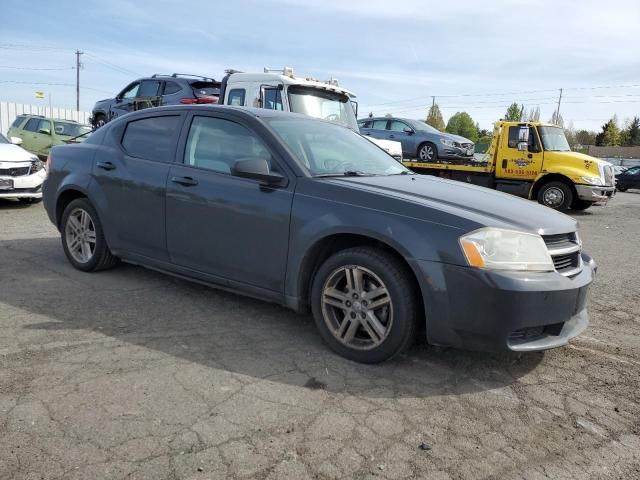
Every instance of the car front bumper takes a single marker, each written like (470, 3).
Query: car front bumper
(594, 193)
(503, 311)
(25, 186)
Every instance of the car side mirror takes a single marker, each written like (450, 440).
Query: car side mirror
(408, 130)
(523, 146)
(16, 140)
(258, 169)
(45, 131)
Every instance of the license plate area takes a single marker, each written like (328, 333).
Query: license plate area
(6, 184)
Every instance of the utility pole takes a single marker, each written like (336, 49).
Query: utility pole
(78, 53)
(557, 119)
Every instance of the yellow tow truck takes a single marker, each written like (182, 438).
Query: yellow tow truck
(532, 160)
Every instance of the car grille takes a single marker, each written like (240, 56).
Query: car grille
(609, 176)
(14, 172)
(565, 252)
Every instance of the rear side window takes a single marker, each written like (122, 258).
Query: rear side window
(236, 97)
(18, 121)
(171, 87)
(379, 125)
(32, 125)
(152, 138)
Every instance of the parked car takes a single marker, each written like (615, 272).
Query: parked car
(157, 90)
(39, 134)
(418, 139)
(618, 169)
(630, 178)
(21, 172)
(309, 214)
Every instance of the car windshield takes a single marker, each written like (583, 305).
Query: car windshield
(553, 139)
(323, 104)
(330, 150)
(69, 129)
(3, 139)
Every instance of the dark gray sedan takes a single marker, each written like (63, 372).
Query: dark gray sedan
(418, 139)
(311, 215)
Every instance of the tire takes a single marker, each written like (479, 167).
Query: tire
(84, 227)
(427, 152)
(556, 195)
(622, 189)
(99, 121)
(581, 204)
(338, 309)
(30, 200)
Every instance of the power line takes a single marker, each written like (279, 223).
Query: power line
(113, 66)
(37, 83)
(35, 68)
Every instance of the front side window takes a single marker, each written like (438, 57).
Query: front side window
(379, 125)
(553, 139)
(71, 129)
(236, 97)
(633, 171)
(397, 126)
(272, 99)
(149, 88)
(330, 150)
(32, 125)
(131, 91)
(316, 102)
(217, 144)
(152, 138)
(44, 125)
(364, 124)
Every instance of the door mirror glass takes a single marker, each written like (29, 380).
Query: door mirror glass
(16, 140)
(257, 169)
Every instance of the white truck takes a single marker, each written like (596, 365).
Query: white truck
(280, 89)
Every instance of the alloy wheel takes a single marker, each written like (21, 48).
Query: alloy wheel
(80, 235)
(426, 153)
(357, 307)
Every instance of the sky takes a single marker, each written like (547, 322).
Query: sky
(395, 55)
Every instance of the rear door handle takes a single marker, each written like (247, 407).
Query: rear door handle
(105, 165)
(186, 181)
(392, 136)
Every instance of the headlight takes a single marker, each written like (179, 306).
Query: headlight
(36, 165)
(448, 143)
(498, 249)
(592, 180)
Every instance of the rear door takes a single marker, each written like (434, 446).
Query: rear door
(379, 129)
(218, 224)
(130, 176)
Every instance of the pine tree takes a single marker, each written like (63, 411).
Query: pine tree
(610, 134)
(434, 117)
(514, 113)
(632, 132)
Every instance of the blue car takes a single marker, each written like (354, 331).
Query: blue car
(419, 140)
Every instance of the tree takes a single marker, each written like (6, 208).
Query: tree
(631, 134)
(557, 119)
(434, 117)
(585, 137)
(570, 134)
(462, 124)
(514, 113)
(610, 134)
(533, 115)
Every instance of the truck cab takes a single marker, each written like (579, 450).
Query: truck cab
(280, 89)
(534, 160)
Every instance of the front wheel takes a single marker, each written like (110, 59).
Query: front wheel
(100, 121)
(428, 152)
(83, 238)
(556, 195)
(364, 304)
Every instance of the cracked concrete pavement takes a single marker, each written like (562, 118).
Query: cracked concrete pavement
(132, 374)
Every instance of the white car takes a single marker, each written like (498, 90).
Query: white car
(392, 147)
(21, 172)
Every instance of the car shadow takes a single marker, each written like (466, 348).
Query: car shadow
(222, 330)
(12, 204)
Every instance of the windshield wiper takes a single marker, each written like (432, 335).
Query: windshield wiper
(347, 173)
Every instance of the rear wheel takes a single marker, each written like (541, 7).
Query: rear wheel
(621, 189)
(556, 195)
(427, 152)
(364, 305)
(83, 238)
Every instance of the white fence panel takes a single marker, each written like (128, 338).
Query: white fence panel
(10, 110)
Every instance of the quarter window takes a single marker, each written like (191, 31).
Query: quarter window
(217, 144)
(379, 125)
(152, 138)
(236, 97)
(32, 125)
(272, 99)
(16, 123)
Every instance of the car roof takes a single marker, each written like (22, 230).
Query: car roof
(33, 115)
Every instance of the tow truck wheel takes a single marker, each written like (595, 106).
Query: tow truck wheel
(581, 205)
(556, 195)
(427, 152)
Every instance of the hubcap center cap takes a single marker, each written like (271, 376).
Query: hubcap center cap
(357, 306)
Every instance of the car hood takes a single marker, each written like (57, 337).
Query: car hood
(10, 153)
(457, 138)
(478, 205)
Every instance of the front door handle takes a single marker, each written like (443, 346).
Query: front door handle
(105, 165)
(186, 181)
(392, 136)
(529, 156)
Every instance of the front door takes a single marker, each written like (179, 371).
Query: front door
(397, 133)
(222, 225)
(130, 183)
(125, 101)
(517, 164)
(37, 136)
